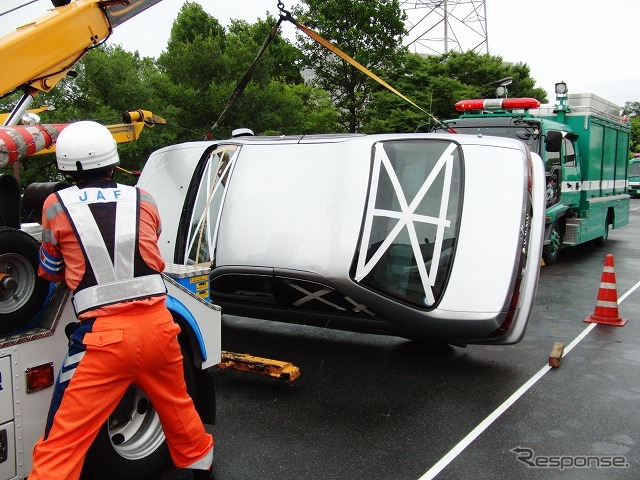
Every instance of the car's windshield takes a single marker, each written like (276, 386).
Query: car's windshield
(411, 223)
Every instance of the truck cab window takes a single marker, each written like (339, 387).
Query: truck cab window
(569, 153)
(553, 145)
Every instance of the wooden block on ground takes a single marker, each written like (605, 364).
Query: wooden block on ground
(556, 354)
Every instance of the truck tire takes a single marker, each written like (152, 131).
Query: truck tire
(22, 292)
(602, 241)
(133, 448)
(552, 249)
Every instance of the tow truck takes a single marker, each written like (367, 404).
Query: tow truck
(34, 313)
(585, 148)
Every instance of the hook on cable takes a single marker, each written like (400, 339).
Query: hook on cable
(284, 14)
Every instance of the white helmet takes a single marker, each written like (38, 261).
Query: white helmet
(85, 146)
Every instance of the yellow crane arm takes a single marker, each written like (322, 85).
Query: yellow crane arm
(39, 54)
(3, 116)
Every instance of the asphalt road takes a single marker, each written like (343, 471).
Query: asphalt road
(374, 407)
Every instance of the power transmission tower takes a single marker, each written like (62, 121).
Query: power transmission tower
(440, 26)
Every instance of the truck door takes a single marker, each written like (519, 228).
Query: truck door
(572, 181)
(562, 165)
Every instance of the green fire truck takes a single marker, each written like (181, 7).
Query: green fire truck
(585, 148)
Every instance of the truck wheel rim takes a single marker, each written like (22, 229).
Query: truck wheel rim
(554, 241)
(22, 272)
(142, 435)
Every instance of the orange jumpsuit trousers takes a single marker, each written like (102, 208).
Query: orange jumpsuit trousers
(106, 355)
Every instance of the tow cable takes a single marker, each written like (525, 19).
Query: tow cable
(285, 15)
(244, 81)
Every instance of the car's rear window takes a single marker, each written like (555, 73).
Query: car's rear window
(411, 222)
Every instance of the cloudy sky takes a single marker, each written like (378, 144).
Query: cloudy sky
(592, 45)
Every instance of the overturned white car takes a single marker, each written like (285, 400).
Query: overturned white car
(424, 236)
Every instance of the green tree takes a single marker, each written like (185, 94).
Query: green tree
(188, 86)
(194, 50)
(286, 110)
(436, 83)
(368, 31)
(108, 82)
(635, 135)
(203, 68)
(483, 70)
(282, 61)
(632, 110)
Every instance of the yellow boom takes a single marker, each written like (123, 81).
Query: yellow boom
(39, 54)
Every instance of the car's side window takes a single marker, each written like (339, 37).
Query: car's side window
(207, 205)
(411, 222)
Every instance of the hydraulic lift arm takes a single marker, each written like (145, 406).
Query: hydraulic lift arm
(36, 56)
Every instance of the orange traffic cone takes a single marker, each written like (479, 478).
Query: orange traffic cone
(606, 311)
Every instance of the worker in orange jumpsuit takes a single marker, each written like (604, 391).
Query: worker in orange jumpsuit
(100, 237)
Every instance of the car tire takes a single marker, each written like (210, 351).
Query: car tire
(144, 455)
(22, 292)
(551, 251)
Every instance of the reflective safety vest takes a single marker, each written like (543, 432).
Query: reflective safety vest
(105, 221)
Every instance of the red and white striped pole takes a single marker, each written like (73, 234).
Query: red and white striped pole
(20, 141)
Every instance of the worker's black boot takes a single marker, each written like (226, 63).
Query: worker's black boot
(202, 474)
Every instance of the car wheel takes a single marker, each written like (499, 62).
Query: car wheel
(22, 292)
(552, 249)
(131, 444)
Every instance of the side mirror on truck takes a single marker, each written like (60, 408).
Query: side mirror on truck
(9, 202)
(553, 141)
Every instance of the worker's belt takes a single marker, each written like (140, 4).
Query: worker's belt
(118, 291)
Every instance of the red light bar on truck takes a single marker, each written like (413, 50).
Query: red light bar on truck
(496, 104)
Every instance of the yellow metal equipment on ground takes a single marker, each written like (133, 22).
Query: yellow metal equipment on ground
(262, 366)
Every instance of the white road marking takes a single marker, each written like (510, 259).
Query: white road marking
(482, 426)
